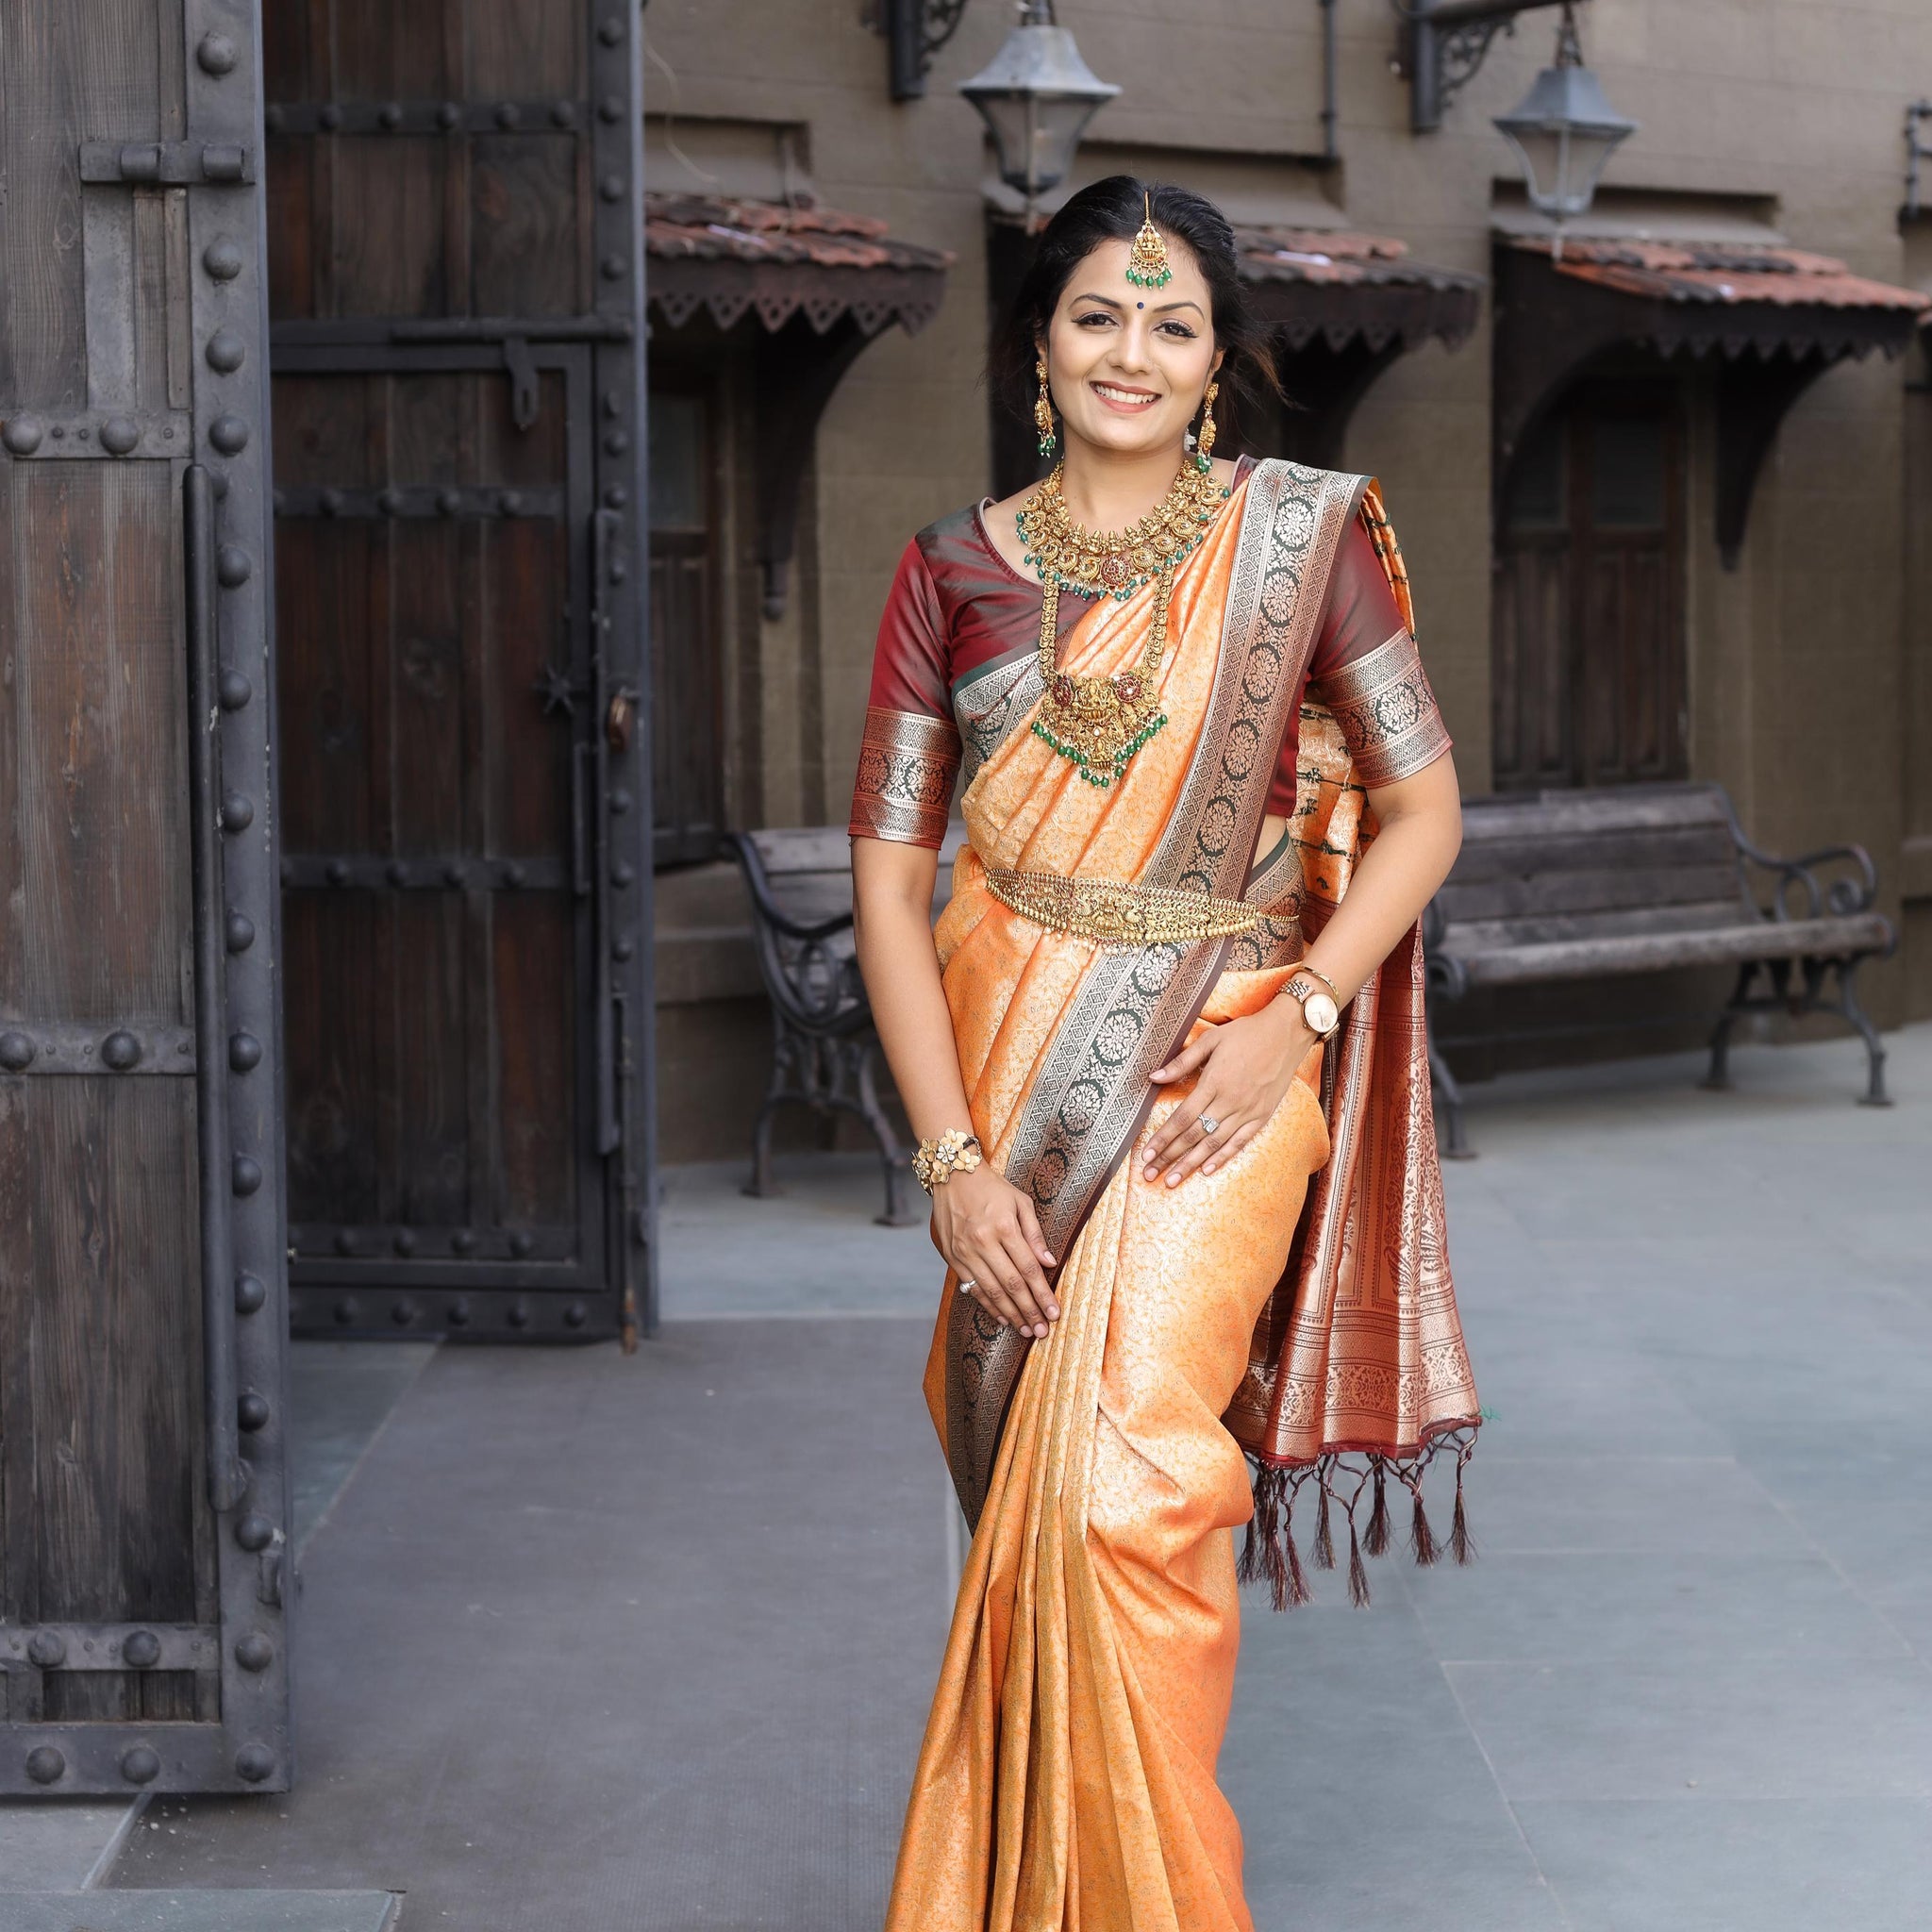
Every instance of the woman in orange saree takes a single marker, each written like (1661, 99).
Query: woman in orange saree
(1188, 1210)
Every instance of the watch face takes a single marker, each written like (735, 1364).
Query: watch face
(1319, 1011)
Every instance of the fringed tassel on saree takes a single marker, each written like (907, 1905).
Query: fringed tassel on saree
(1269, 1552)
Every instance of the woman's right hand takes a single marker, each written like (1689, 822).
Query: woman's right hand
(989, 1235)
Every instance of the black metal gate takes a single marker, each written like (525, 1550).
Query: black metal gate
(458, 349)
(144, 1587)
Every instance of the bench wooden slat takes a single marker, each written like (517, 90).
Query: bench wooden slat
(1537, 854)
(826, 848)
(1628, 888)
(1471, 936)
(804, 848)
(1650, 952)
(809, 869)
(1635, 808)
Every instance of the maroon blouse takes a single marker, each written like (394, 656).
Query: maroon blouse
(957, 605)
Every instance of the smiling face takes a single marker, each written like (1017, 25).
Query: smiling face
(1129, 366)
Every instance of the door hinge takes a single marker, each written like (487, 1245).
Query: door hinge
(166, 163)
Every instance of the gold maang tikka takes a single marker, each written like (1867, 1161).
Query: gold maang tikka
(1147, 265)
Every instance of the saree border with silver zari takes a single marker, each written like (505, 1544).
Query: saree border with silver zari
(906, 765)
(1094, 1091)
(1387, 712)
(991, 703)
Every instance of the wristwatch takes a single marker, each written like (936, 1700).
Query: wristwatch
(1317, 1007)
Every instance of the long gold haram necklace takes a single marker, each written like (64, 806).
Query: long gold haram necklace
(1100, 723)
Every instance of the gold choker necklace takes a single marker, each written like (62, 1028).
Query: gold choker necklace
(1100, 723)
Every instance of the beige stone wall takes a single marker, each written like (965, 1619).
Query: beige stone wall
(1810, 682)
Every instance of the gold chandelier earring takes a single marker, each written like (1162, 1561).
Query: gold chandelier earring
(1042, 412)
(1204, 443)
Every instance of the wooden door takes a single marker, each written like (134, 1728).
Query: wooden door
(434, 787)
(145, 1590)
(464, 709)
(1589, 684)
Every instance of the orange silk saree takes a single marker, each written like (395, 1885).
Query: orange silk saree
(1067, 1779)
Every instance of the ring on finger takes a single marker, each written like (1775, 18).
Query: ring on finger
(967, 1287)
(1210, 1124)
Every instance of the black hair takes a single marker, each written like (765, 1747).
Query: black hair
(1112, 209)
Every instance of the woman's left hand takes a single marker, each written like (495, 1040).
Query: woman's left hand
(1243, 1068)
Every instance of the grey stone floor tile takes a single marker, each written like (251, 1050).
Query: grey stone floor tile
(1408, 1880)
(1556, 1392)
(1745, 1727)
(1721, 1264)
(813, 1250)
(237, 1911)
(1740, 1391)
(1913, 1621)
(1606, 1201)
(1747, 1865)
(1361, 1791)
(1592, 1607)
(1520, 1504)
(1864, 1460)
(55, 1844)
(1884, 1545)
(339, 1394)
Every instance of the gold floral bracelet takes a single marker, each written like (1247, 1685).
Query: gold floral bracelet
(955, 1151)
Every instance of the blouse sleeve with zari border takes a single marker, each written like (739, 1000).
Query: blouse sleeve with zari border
(908, 758)
(1369, 674)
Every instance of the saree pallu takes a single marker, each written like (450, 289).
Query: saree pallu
(1067, 1779)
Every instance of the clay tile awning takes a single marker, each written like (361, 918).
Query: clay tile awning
(1734, 297)
(1341, 287)
(1766, 320)
(776, 261)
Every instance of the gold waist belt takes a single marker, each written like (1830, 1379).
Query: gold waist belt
(1117, 913)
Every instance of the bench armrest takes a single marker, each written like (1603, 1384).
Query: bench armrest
(766, 907)
(812, 988)
(1819, 896)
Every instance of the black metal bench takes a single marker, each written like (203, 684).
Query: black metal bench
(824, 1051)
(1577, 885)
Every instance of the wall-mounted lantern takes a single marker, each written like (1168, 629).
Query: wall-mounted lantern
(1036, 96)
(1564, 131)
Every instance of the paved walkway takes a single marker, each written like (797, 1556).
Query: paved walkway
(606, 1645)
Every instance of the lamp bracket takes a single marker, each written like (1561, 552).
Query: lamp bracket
(1445, 43)
(1918, 151)
(915, 31)
(1462, 53)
